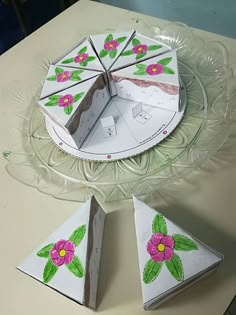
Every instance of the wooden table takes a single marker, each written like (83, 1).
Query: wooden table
(205, 202)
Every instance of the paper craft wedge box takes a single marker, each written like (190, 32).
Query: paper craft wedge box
(60, 78)
(77, 107)
(154, 82)
(82, 56)
(68, 261)
(110, 46)
(170, 259)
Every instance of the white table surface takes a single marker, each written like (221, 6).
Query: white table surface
(204, 204)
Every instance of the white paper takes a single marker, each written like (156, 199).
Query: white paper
(193, 262)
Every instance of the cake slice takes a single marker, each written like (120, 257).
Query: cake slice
(170, 259)
(110, 46)
(78, 107)
(68, 261)
(83, 56)
(59, 78)
(154, 82)
(140, 48)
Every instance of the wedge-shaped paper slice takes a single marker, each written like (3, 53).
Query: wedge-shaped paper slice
(83, 56)
(154, 82)
(140, 48)
(77, 108)
(68, 261)
(110, 46)
(170, 259)
(59, 78)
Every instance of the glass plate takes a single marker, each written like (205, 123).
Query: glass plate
(36, 161)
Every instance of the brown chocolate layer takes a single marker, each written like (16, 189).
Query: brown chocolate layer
(167, 88)
(86, 103)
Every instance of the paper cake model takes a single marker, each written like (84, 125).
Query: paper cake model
(170, 259)
(77, 107)
(83, 56)
(68, 261)
(154, 82)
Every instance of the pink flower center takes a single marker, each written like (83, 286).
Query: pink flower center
(161, 247)
(111, 45)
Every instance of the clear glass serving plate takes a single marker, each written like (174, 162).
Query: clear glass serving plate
(204, 67)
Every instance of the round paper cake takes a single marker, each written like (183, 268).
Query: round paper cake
(113, 96)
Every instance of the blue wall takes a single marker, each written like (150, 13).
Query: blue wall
(217, 16)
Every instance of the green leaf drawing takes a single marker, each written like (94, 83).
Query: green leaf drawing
(154, 47)
(91, 58)
(108, 38)
(141, 66)
(84, 63)
(121, 39)
(165, 61)
(151, 271)
(68, 60)
(103, 53)
(168, 70)
(135, 42)
(51, 103)
(113, 53)
(127, 53)
(75, 77)
(78, 96)
(76, 267)
(52, 78)
(139, 56)
(49, 271)
(54, 97)
(58, 70)
(159, 225)
(82, 50)
(174, 265)
(77, 71)
(78, 235)
(140, 72)
(68, 109)
(183, 243)
(45, 251)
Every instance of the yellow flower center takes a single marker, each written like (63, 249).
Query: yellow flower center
(62, 253)
(140, 48)
(110, 45)
(81, 57)
(66, 100)
(63, 76)
(161, 247)
(154, 69)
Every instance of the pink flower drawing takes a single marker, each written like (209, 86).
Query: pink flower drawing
(140, 49)
(111, 45)
(66, 100)
(62, 252)
(160, 247)
(63, 76)
(81, 57)
(154, 69)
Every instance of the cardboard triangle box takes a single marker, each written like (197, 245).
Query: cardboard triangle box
(110, 46)
(82, 56)
(68, 261)
(60, 78)
(170, 259)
